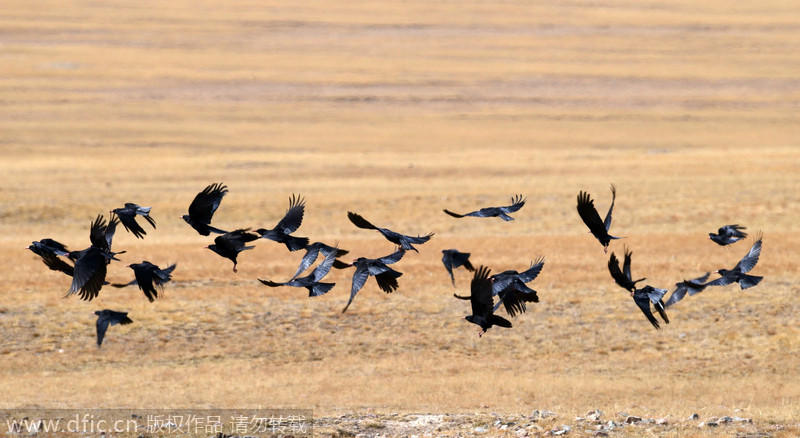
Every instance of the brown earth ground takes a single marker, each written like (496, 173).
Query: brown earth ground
(397, 111)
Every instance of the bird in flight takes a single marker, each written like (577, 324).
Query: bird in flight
(739, 272)
(289, 224)
(502, 212)
(599, 228)
(401, 240)
(312, 252)
(641, 296)
(109, 317)
(512, 290)
(385, 276)
(728, 234)
(89, 272)
(127, 216)
(453, 259)
(229, 245)
(693, 286)
(313, 281)
(150, 278)
(203, 207)
(48, 246)
(482, 304)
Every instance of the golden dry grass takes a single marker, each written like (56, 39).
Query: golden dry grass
(397, 111)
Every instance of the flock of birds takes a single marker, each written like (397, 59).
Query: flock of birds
(88, 267)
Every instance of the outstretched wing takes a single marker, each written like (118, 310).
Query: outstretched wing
(589, 214)
(607, 221)
(531, 273)
(643, 301)
(622, 280)
(359, 221)
(455, 214)
(516, 203)
(481, 292)
(359, 279)
(749, 261)
(393, 257)
(294, 215)
(323, 268)
(206, 203)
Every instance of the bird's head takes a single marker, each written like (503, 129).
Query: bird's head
(187, 218)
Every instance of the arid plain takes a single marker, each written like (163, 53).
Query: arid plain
(396, 111)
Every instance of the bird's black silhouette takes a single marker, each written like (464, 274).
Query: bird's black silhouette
(313, 281)
(728, 234)
(623, 277)
(203, 207)
(453, 259)
(739, 272)
(502, 212)
(401, 240)
(481, 301)
(48, 246)
(150, 278)
(229, 245)
(109, 317)
(289, 224)
(89, 272)
(312, 252)
(512, 290)
(643, 296)
(127, 216)
(385, 276)
(599, 228)
(693, 286)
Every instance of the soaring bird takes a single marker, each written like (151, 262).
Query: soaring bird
(313, 281)
(693, 286)
(229, 245)
(482, 305)
(728, 234)
(641, 296)
(452, 259)
(312, 252)
(150, 278)
(89, 272)
(512, 290)
(202, 209)
(401, 240)
(109, 317)
(127, 215)
(739, 272)
(385, 276)
(599, 228)
(48, 246)
(289, 224)
(502, 212)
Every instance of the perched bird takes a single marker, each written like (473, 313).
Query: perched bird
(229, 245)
(642, 297)
(109, 317)
(150, 278)
(89, 272)
(312, 252)
(623, 277)
(48, 246)
(403, 241)
(728, 234)
(512, 290)
(502, 212)
(127, 215)
(452, 259)
(739, 272)
(649, 294)
(385, 276)
(482, 305)
(202, 209)
(312, 282)
(599, 228)
(693, 286)
(289, 224)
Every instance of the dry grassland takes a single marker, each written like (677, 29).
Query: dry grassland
(397, 111)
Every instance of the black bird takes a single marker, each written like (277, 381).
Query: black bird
(502, 212)
(289, 224)
(48, 246)
(642, 297)
(150, 278)
(599, 228)
(109, 317)
(229, 245)
(728, 234)
(127, 215)
(482, 305)
(452, 259)
(693, 286)
(312, 252)
(384, 275)
(649, 294)
(739, 272)
(89, 272)
(512, 290)
(312, 282)
(401, 240)
(202, 209)
(623, 277)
